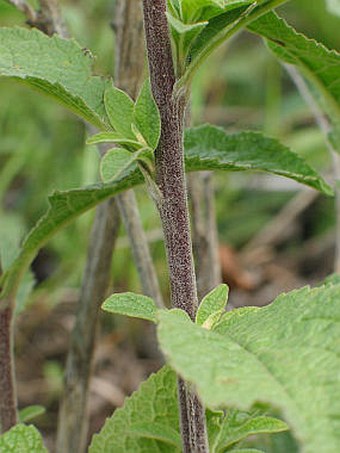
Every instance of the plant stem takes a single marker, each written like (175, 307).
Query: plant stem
(73, 420)
(129, 71)
(8, 398)
(173, 205)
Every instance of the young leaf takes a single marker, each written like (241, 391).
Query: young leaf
(211, 148)
(146, 116)
(319, 64)
(119, 108)
(56, 66)
(64, 207)
(23, 439)
(131, 304)
(112, 137)
(30, 412)
(213, 302)
(264, 356)
(118, 163)
(237, 426)
(131, 427)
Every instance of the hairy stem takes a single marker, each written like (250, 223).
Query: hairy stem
(73, 422)
(8, 398)
(173, 206)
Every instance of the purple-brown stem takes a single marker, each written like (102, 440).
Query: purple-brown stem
(173, 205)
(8, 399)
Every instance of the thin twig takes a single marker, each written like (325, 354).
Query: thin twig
(325, 126)
(73, 419)
(204, 232)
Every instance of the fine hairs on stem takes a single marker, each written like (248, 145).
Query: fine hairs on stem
(173, 209)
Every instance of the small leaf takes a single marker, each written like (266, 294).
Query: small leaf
(131, 304)
(114, 137)
(119, 108)
(238, 426)
(157, 431)
(23, 439)
(30, 412)
(118, 162)
(182, 27)
(211, 148)
(146, 115)
(212, 303)
(56, 66)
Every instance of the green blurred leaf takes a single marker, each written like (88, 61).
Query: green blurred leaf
(22, 439)
(119, 108)
(213, 302)
(333, 6)
(320, 65)
(211, 148)
(30, 412)
(56, 66)
(131, 304)
(263, 356)
(146, 116)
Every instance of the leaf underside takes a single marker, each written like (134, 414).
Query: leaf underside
(55, 66)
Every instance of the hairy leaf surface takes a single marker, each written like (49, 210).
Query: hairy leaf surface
(131, 304)
(149, 422)
(22, 438)
(119, 108)
(56, 66)
(286, 354)
(147, 117)
(210, 147)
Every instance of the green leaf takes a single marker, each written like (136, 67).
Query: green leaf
(248, 450)
(182, 28)
(130, 429)
(56, 66)
(213, 302)
(30, 412)
(319, 65)
(118, 162)
(146, 116)
(131, 304)
(237, 426)
(286, 354)
(149, 421)
(113, 137)
(119, 108)
(64, 207)
(223, 24)
(23, 439)
(211, 148)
